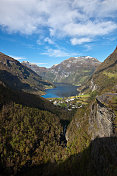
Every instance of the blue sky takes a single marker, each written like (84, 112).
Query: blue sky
(46, 32)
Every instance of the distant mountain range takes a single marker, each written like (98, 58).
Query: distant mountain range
(74, 70)
(17, 76)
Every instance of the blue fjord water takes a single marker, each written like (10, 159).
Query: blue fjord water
(61, 90)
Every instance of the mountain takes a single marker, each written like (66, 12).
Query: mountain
(31, 127)
(39, 70)
(31, 131)
(92, 134)
(74, 70)
(17, 76)
(105, 76)
(38, 138)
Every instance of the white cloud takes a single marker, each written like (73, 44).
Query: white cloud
(48, 40)
(39, 42)
(38, 63)
(58, 53)
(75, 19)
(78, 41)
(88, 47)
(43, 40)
(18, 58)
(97, 8)
(23, 58)
(89, 28)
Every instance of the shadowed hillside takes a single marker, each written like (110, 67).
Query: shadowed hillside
(17, 76)
(31, 130)
(40, 139)
(99, 159)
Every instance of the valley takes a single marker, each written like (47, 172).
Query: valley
(58, 87)
(70, 131)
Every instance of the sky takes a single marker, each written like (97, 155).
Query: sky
(46, 32)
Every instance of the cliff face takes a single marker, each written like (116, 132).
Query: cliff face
(97, 121)
(92, 133)
(102, 128)
(94, 129)
(101, 120)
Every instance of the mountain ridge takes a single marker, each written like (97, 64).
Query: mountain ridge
(37, 138)
(74, 70)
(105, 76)
(21, 77)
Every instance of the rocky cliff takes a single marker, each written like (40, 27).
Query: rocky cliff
(102, 116)
(93, 129)
(92, 135)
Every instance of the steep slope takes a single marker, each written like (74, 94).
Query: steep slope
(26, 137)
(105, 76)
(101, 109)
(17, 76)
(31, 131)
(31, 138)
(74, 70)
(8, 95)
(92, 133)
(91, 142)
(39, 70)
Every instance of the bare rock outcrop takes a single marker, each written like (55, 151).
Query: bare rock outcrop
(101, 120)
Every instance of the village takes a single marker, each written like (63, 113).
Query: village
(70, 103)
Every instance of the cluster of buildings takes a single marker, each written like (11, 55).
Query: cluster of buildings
(67, 103)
